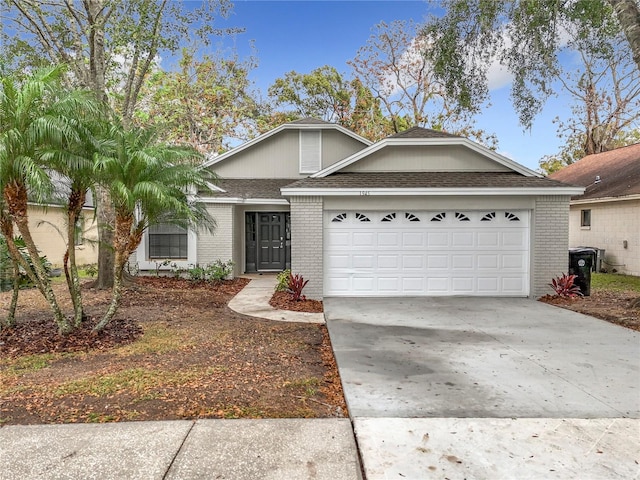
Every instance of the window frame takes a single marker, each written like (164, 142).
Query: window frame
(585, 218)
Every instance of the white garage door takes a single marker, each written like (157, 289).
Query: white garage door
(426, 253)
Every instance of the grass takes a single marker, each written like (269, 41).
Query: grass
(28, 363)
(138, 381)
(615, 282)
(158, 339)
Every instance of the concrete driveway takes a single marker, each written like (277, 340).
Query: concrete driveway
(548, 385)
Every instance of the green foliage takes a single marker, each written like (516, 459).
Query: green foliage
(615, 282)
(282, 280)
(212, 272)
(525, 36)
(204, 104)
(23, 279)
(90, 270)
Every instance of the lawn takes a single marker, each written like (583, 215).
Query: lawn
(176, 351)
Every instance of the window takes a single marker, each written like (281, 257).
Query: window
(79, 231)
(167, 241)
(585, 218)
(310, 156)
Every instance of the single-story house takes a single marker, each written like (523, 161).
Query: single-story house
(48, 226)
(607, 215)
(418, 213)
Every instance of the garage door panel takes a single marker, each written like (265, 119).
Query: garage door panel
(389, 239)
(488, 239)
(514, 239)
(413, 239)
(413, 285)
(386, 261)
(413, 262)
(336, 261)
(487, 253)
(363, 239)
(515, 261)
(462, 285)
(363, 284)
(363, 261)
(462, 239)
(337, 239)
(438, 262)
(438, 285)
(488, 285)
(488, 261)
(462, 261)
(512, 285)
(437, 239)
(389, 285)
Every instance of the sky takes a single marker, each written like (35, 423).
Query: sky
(302, 35)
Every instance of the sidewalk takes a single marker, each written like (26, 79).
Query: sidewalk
(274, 449)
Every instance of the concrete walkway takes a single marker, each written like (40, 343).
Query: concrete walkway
(253, 300)
(272, 449)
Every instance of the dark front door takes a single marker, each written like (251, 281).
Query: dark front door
(267, 241)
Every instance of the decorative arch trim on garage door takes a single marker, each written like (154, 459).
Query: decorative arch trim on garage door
(457, 252)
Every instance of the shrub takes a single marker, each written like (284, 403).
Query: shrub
(295, 284)
(564, 286)
(283, 281)
(195, 273)
(212, 272)
(218, 271)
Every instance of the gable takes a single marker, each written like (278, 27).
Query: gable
(290, 151)
(421, 158)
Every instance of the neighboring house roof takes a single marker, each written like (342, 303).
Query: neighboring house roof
(472, 182)
(615, 173)
(246, 188)
(423, 136)
(305, 123)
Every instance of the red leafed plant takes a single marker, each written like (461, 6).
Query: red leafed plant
(564, 286)
(295, 284)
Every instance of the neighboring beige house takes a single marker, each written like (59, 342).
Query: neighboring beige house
(418, 213)
(607, 214)
(48, 225)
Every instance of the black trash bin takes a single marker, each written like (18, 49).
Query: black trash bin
(580, 262)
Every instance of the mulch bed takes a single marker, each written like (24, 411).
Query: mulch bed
(612, 306)
(283, 301)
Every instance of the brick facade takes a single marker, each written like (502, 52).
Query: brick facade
(550, 255)
(217, 245)
(307, 242)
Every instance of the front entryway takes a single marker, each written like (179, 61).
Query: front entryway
(268, 241)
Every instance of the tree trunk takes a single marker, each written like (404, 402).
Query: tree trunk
(15, 196)
(628, 15)
(121, 243)
(11, 316)
(75, 203)
(105, 216)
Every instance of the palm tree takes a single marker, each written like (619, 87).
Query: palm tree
(36, 117)
(149, 183)
(75, 163)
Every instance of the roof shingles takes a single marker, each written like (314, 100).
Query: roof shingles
(453, 180)
(615, 173)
